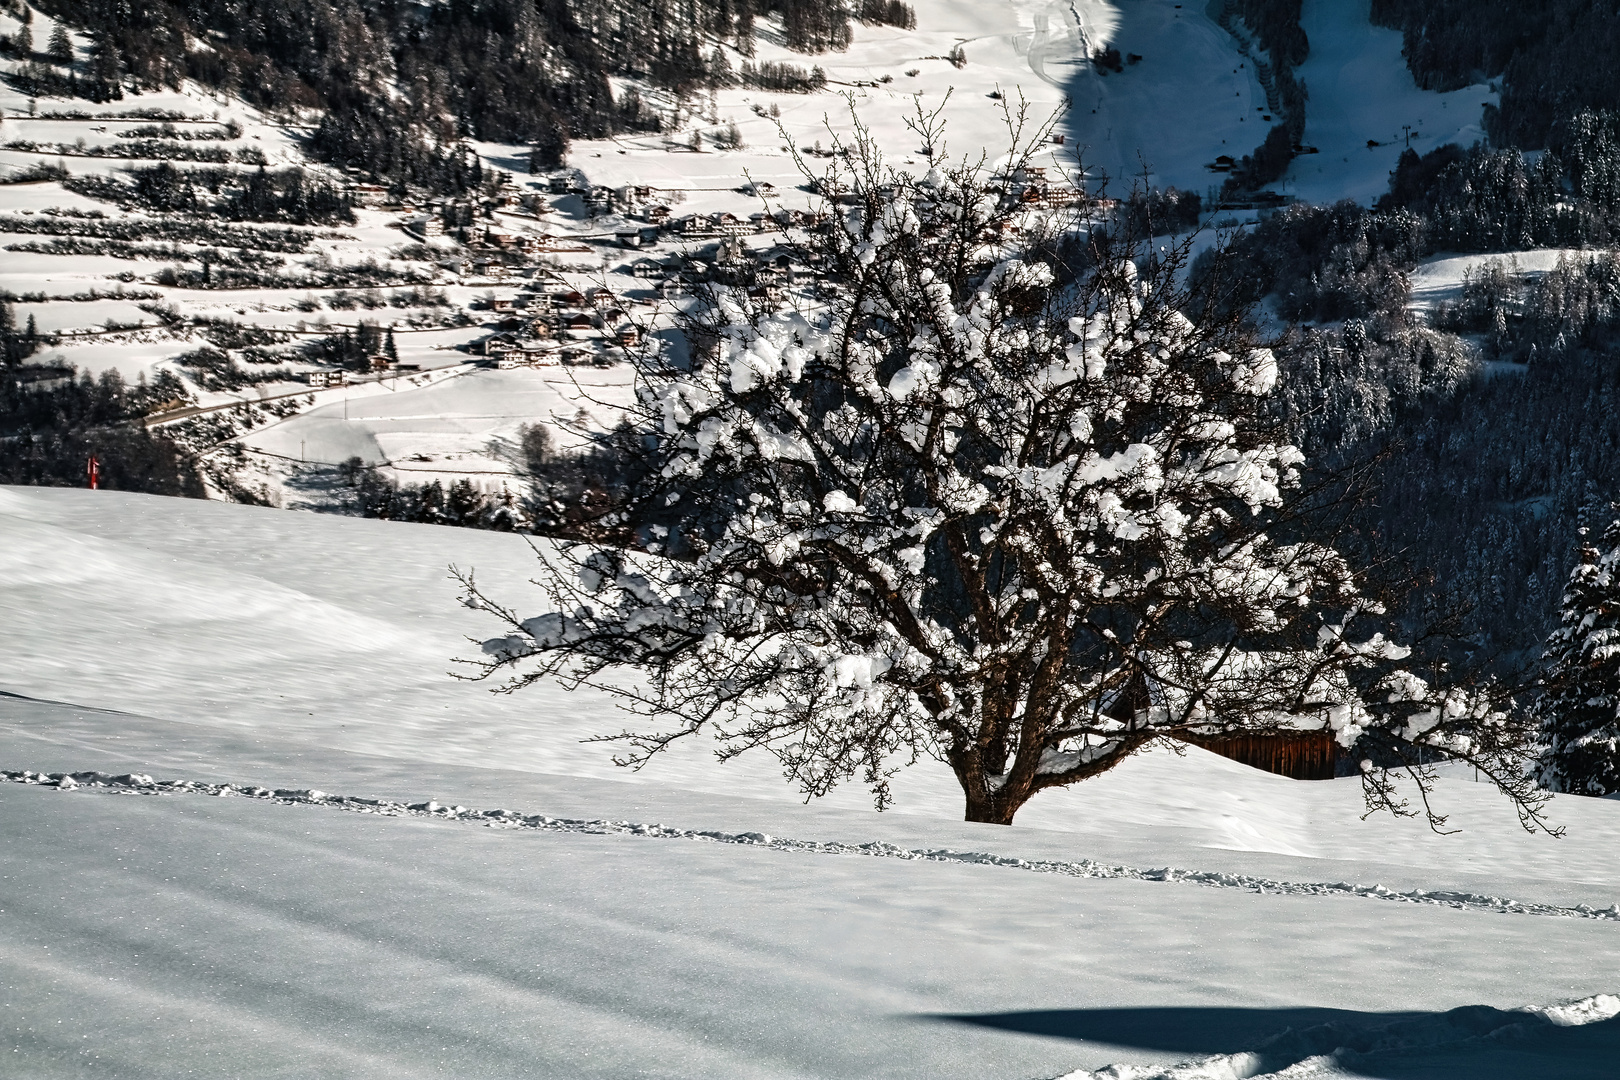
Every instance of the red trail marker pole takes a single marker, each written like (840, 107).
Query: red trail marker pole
(95, 472)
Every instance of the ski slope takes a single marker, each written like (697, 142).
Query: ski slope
(1361, 93)
(1190, 99)
(722, 929)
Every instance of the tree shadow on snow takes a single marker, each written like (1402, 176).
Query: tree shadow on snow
(1471, 1043)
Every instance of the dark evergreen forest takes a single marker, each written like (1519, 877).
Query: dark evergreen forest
(1494, 416)
(52, 421)
(1554, 57)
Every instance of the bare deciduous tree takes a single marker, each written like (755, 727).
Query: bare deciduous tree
(1018, 512)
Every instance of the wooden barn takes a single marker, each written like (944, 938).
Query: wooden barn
(1301, 755)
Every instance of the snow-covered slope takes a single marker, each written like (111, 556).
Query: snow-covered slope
(1364, 107)
(1190, 97)
(146, 935)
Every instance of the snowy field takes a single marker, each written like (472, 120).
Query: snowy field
(746, 935)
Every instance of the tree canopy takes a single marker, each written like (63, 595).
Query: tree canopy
(1022, 514)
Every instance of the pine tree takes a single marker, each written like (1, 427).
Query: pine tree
(60, 48)
(1580, 711)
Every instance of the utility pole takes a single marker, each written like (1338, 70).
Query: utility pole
(1408, 128)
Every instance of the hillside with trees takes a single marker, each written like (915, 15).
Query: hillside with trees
(1553, 57)
(399, 85)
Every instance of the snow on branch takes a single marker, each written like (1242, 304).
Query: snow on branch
(1006, 496)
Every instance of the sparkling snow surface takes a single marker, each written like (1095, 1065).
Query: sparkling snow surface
(151, 935)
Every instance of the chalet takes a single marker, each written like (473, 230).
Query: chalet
(503, 303)
(611, 315)
(1223, 163)
(527, 354)
(496, 344)
(672, 288)
(570, 299)
(495, 238)
(326, 378)
(627, 336)
(578, 322)
(378, 362)
(559, 185)
(630, 238)
(730, 224)
(426, 225)
(770, 295)
(546, 243)
(647, 268)
(657, 215)
(600, 296)
(540, 352)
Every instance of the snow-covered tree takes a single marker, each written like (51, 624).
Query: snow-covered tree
(1580, 709)
(1006, 496)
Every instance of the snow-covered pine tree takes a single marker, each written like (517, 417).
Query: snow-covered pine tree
(993, 499)
(1580, 708)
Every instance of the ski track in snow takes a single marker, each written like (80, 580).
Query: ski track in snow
(142, 784)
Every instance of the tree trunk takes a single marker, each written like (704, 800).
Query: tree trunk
(990, 813)
(990, 808)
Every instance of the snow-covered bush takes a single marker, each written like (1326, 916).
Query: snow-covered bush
(1026, 519)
